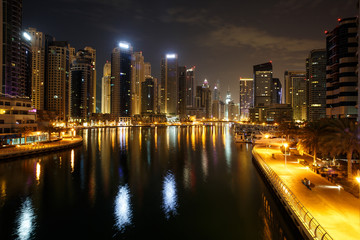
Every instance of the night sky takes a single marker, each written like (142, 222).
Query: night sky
(224, 39)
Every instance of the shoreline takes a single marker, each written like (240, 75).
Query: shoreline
(43, 148)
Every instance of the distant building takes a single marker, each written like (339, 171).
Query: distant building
(169, 84)
(316, 77)
(276, 91)
(137, 78)
(296, 93)
(203, 103)
(91, 52)
(262, 84)
(182, 91)
(106, 89)
(58, 76)
(276, 113)
(82, 86)
(147, 96)
(341, 78)
(121, 80)
(190, 87)
(246, 97)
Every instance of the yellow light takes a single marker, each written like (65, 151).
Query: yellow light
(286, 145)
(358, 179)
(266, 136)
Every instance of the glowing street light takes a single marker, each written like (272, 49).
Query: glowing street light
(358, 180)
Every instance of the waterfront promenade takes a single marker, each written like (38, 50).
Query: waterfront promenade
(39, 148)
(337, 211)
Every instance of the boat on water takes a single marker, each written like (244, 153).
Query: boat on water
(242, 137)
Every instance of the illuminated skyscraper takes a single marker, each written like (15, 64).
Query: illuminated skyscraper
(296, 93)
(91, 52)
(147, 96)
(341, 78)
(246, 97)
(121, 80)
(316, 76)
(169, 84)
(82, 85)
(58, 75)
(262, 84)
(182, 91)
(138, 76)
(105, 89)
(190, 87)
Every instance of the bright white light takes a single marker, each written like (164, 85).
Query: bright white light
(25, 221)
(123, 213)
(27, 36)
(171, 56)
(124, 45)
(169, 195)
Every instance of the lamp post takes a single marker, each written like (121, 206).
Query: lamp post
(285, 146)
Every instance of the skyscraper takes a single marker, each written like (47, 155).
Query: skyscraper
(105, 89)
(190, 87)
(58, 86)
(316, 76)
(12, 83)
(147, 96)
(341, 78)
(203, 99)
(138, 76)
(276, 91)
(182, 91)
(82, 86)
(91, 53)
(296, 93)
(262, 84)
(121, 80)
(246, 97)
(169, 84)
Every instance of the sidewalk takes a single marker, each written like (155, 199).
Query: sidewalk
(25, 150)
(335, 209)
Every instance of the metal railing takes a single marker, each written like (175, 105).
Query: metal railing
(310, 224)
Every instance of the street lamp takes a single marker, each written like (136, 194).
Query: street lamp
(358, 180)
(267, 139)
(285, 146)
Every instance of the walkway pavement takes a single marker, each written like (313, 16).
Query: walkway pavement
(335, 209)
(23, 150)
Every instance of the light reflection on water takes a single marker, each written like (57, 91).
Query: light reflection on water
(123, 211)
(169, 196)
(25, 221)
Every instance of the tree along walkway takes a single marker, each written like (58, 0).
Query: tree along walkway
(38, 148)
(335, 209)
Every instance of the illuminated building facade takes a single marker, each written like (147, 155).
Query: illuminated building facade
(296, 93)
(246, 97)
(169, 84)
(138, 77)
(341, 76)
(316, 77)
(262, 84)
(105, 89)
(121, 80)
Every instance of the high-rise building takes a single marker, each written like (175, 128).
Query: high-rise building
(190, 87)
(341, 78)
(169, 84)
(39, 48)
(262, 84)
(316, 77)
(217, 91)
(182, 91)
(147, 96)
(246, 97)
(82, 86)
(147, 69)
(138, 76)
(12, 83)
(276, 91)
(91, 52)
(58, 76)
(296, 93)
(203, 99)
(121, 80)
(105, 89)
(25, 73)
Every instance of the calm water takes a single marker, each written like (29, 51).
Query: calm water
(136, 183)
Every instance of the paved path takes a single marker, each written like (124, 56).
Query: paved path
(335, 209)
(24, 150)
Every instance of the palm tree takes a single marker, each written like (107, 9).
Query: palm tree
(310, 138)
(342, 137)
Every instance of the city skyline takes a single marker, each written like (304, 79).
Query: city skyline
(206, 35)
